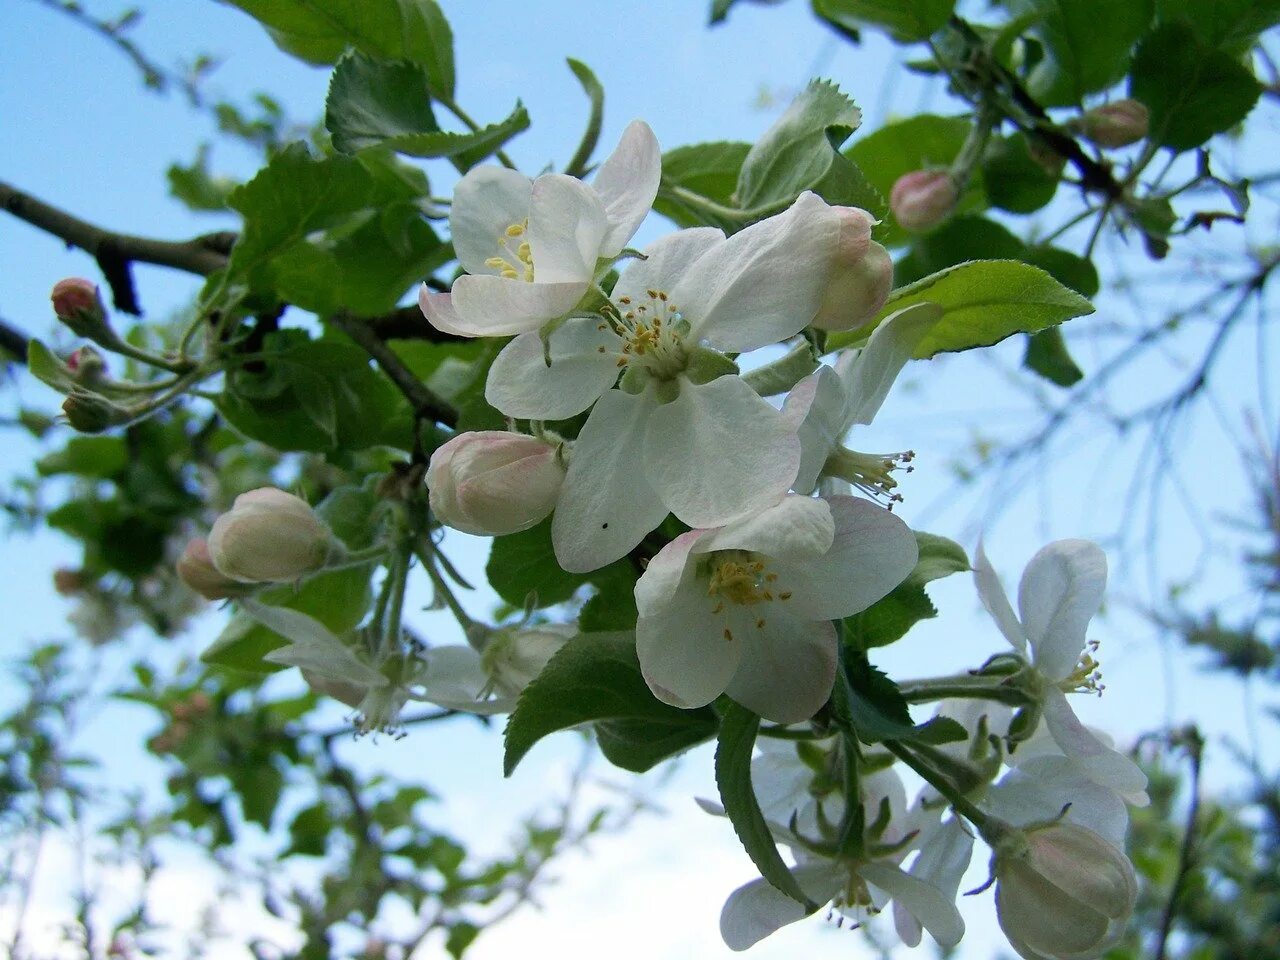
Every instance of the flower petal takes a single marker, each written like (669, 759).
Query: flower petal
(439, 311)
(878, 364)
(794, 527)
(685, 656)
(1060, 592)
(312, 646)
(485, 202)
(936, 912)
(718, 452)
(996, 601)
(665, 262)
(498, 307)
(455, 679)
(788, 665)
(607, 504)
(521, 384)
(627, 183)
(1036, 791)
(657, 585)
(873, 551)
(816, 408)
(764, 283)
(1102, 764)
(942, 863)
(566, 224)
(758, 908)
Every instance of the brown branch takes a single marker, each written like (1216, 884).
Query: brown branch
(423, 400)
(13, 341)
(408, 323)
(1194, 744)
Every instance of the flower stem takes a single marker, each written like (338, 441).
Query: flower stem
(707, 205)
(474, 637)
(963, 686)
(452, 106)
(940, 783)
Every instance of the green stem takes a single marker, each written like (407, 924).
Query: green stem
(736, 214)
(444, 593)
(782, 733)
(358, 558)
(126, 349)
(397, 576)
(940, 783)
(963, 686)
(462, 115)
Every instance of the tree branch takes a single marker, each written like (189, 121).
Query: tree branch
(13, 341)
(424, 402)
(1194, 744)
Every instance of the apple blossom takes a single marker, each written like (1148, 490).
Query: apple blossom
(491, 482)
(1061, 590)
(861, 278)
(683, 434)
(746, 609)
(827, 403)
(269, 536)
(1062, 891)
(531, 247)
(922, 199)
(195, 569)
(1117, 124)
(513, 658)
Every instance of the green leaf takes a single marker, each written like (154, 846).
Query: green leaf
(524, 564)
(799, 150)
(371, 102)
(1048, 356)
(613, 605)
(338, 599)
(640, 745)
(461, 935)
(99, 457)
(888, 619)
(1014, 181)
(720, 9)
(877, 708)
(577, 165)
(1086, 45)
(196, 187)
(983, 302)
(938, 557)
(959, 240)
(1191, 89)
(469, 148)
(1227, 24)
(320, 31)
(709, 169)
(913, 144)
(45, 366)
(738, 730)
(1066, 267)
(907, 20)
(596, 677)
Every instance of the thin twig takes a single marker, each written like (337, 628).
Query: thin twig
(1194, 743)
(423, 400)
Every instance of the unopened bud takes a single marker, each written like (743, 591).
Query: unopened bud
(512, 658)
(1117, 124)
(269, 536)
(195, 569)
(87, 366)
(91, 413)
(77, 304)
(922, 199)
(1061, 890)
(492, 483)
(861, 277)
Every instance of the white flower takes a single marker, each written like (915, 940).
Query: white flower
(746, 609)
(491, 482)
(531, 247)
(855, 887)
(683, 434)
(827, 403)
(269, 536)
(1061, 590)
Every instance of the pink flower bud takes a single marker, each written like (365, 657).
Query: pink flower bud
(77, 304)
(269, 536)
(87, 366)
(195, 569)
(922, 199)
(1116, 124)
(91, 413)
(493, 483)
(1062, 890)
(861, 277)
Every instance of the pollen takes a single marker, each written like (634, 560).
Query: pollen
(651, 333)
(1087, 676)
(872, 473)
(514, 264)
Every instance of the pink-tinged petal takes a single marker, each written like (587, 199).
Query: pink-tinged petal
(607, 504)
(521, 384)
(657, 585)
(1037, 791)
(942, 862)
(758, 908)
(627, 183)
(685, 657)
(498, 307)
(764, 283)
(816, 406)
(873, 551)
(566, 224)
(788, 665)
(1103, 765)
(936, 911)
(665, 262)
(1060, 592)
(886, 353)
(438, 309)
(485, 202)
(794, 527)
(718, 452)
(996, 601)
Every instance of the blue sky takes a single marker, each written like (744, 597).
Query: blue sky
(80, 133)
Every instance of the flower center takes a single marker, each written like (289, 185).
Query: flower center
(742, 579)
(872, 473)
(1087, 676)
(517, 263)
(652, 334)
